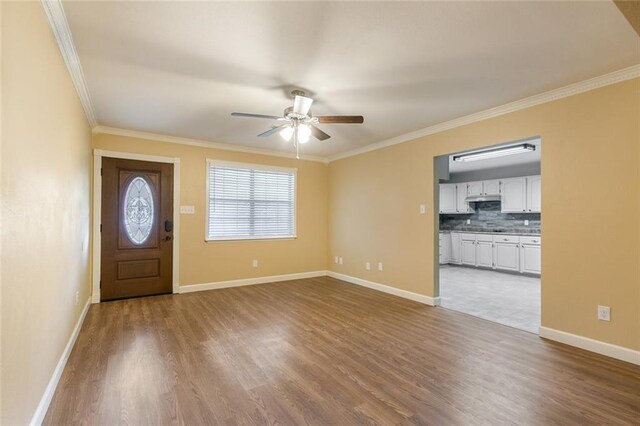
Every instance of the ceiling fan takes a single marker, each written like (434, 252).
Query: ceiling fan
(299, 124)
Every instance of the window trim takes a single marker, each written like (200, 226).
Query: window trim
(250, 166)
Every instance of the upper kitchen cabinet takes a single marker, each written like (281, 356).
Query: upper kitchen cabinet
(491, 187)
(474, 188)
(514, 195)
(448, 198)
(534, 194)
(462, 193)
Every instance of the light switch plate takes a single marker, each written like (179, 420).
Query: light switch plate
(423, 209)
(340, 260)
(526, 222)
(255, 263)
(367, 266)
(379, 266)
(468, 221)
(336, 259)
(187, 209)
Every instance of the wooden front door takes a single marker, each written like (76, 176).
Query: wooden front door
(136, 229)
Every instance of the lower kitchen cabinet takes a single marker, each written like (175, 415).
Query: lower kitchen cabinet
(506, 253)
(455, 249)
(468, 249)
(530, 255)
(484, 252)
(497, 251)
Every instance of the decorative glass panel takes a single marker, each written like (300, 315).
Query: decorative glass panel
(138, 210)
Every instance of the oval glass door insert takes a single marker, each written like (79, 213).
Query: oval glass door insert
(138, 210)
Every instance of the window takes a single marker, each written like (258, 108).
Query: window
(248, 201)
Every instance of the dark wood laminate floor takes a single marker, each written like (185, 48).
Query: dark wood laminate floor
(323, 352)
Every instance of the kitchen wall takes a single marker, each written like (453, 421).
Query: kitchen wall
(591, 250)
(208, 262)
(488, 217)
(46, 158)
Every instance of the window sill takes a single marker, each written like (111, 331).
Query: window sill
(248, 239)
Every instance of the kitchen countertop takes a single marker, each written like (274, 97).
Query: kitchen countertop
(517, 231)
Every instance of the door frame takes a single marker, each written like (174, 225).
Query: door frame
(97, 212)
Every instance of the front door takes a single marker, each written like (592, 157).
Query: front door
(137, 228)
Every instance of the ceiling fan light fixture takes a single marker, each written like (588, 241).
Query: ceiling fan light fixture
(287, 133)
(304, 133)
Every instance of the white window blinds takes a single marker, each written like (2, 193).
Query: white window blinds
(249, 201)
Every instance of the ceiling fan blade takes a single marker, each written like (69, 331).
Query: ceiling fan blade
(302, 105)
(272, 130)
(319, 134)
(340, 119)
(247, 115)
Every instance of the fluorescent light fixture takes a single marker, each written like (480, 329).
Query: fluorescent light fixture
(304, 133)
(286, 133)
(495, 152)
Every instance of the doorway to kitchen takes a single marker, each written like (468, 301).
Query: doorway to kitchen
(489, 225)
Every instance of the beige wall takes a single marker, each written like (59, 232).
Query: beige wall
(202, 262)
(590, 195)
(46, 156)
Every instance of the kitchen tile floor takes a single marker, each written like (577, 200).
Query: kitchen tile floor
(508, 299)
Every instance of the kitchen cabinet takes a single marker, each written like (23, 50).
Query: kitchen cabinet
(506, 252)
(474, 188)
(461, 195)
(468, 249)
(455, 248)
(497, 251)
(445, 248)
(514, 195)
(491, 187)
(530, 255)
(484, 251)
(448, 198)
(534, 194)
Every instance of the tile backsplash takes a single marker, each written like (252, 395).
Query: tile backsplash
(487, 216)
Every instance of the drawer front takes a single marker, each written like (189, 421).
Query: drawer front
(531, 240)
(484, 237)
(506, 239)
(468, 237)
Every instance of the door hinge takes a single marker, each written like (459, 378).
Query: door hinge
(100, 171)
(100, 227)
(100, 283)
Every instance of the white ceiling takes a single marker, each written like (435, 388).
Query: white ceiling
(498, 162)
(180, 68)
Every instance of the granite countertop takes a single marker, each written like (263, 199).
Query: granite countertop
(510, 231)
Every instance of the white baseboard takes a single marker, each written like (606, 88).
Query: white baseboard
(250, 281)
(602, 348)
(427, 300)
(43, 406)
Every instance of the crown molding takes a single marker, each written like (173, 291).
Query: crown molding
(552, 95)
(62, 33)
(200, 143)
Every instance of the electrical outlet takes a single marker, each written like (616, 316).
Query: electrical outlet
(526, 222)
(468, 221)
(423, 209)
(367, 266)
(379, 266)
(336, 260)
(255, 263)
(340, 260)
(77, 297)
(604, 313)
